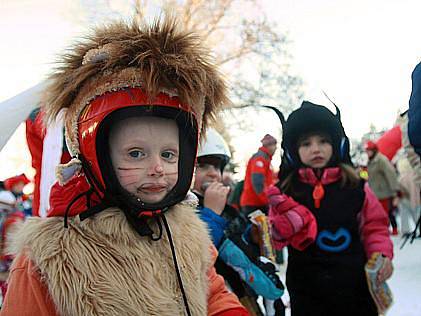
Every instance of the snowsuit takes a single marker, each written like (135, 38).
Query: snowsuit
(258, 178)
(327, 276)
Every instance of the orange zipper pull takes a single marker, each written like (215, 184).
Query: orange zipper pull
(318, 194)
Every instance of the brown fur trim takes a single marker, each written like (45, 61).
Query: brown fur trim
(102, 267)
(161, 57)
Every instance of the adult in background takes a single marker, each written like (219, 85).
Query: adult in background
(258, 177)
(414, 111)
(383, 180)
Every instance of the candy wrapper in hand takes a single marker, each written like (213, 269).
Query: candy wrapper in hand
(381, 293)
(259, 219)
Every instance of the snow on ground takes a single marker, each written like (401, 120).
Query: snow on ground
(405, 282)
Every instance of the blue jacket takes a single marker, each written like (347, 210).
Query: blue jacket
(216, 224)
(414, 113)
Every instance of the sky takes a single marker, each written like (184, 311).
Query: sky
(360, 52)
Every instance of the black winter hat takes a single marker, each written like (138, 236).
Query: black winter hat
(311, 118)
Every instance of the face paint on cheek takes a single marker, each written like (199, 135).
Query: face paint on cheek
(171, 169)
(128, 176)
(124, 169)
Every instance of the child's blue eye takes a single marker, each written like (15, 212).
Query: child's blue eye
(135, 153)
(168, 155)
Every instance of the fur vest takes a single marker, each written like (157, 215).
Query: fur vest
(101, 266)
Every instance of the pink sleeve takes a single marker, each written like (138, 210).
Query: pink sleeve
(374, 226)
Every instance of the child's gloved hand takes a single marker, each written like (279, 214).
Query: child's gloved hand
(275, 197)
(272, 192)
(291, 222)
(279, 202)
(286, 224)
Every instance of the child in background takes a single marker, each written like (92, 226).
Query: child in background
(9, 215)
(15, 185)
(330, 218)
(236, 263)
(123, 237)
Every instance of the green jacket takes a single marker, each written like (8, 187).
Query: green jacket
(382, 177)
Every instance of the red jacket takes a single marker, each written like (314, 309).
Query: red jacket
(259, 176)
(34, 137)
(35, 134)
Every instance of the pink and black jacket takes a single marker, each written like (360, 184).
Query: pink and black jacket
(331, 236)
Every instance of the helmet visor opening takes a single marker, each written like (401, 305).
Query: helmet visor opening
(187, 133)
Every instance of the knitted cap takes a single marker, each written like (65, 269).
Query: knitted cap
(268, 140)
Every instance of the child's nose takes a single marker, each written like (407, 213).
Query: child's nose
(315, 147)
(213, 171)
(156, 167)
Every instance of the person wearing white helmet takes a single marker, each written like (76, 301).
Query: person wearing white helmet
(212, 158)
(245, 274)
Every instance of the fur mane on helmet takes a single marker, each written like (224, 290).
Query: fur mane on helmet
(163, 57)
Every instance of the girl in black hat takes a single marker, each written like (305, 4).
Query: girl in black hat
(328, 216)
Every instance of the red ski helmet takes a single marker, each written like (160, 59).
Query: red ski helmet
(93, 133)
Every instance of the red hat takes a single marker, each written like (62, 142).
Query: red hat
(268, 140)
(370, 145)
(11, 182)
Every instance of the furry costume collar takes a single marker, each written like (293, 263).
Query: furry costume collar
(101, 266)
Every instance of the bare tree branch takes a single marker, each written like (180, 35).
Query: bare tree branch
(217, 18)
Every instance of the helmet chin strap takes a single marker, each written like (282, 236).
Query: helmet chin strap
(177, 269)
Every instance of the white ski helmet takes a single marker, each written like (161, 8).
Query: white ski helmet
(7, 200)
(214, 145)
